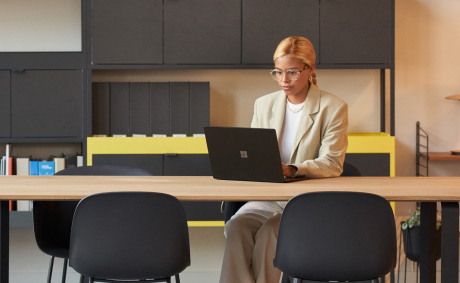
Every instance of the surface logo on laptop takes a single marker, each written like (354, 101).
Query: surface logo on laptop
(244, 154)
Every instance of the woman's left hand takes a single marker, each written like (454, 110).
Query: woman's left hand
(288, 171)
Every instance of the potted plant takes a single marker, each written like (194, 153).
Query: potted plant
(412, 237)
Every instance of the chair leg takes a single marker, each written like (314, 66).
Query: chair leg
(285, 278)
(82, 279)
(64, 270)
(50, 270)
(177, 278)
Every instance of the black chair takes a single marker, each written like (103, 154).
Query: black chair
(125, 236)
(53, 219)
(336, 236)
(231, 207)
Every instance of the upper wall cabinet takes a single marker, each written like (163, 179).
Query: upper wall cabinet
(355, 31)
(202, 31)
(265, 24)
(127, 32)
(46, 103)
(5, 104)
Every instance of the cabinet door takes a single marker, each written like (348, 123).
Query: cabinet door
(47, 103)
(194, 165)
(5, 104)
(202, 32)
(265, 24)
(370, 164)
(150, 162)
(355, 31)
(127, 32)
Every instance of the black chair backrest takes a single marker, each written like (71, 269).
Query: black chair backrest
(129, 235)
(53, 219)
(336, 236)
(350, 170)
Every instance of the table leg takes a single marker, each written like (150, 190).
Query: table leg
(449, 242)
(4, 240)
(427, 239)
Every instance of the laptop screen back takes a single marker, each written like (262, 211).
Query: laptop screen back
(244, 154)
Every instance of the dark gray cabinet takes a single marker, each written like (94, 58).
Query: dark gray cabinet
(46, 103)
(152, 163)
(127, 32)
(370, 164)
(5, 104)
(171, 165)
(265, 24)
(355, 32)
(202, 32)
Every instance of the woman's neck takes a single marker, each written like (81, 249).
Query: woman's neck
(299, 98)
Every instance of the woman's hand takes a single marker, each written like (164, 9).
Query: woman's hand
(288, 171)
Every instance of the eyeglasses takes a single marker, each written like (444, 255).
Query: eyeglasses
(291, 74)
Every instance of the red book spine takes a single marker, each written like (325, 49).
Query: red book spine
(10, 166)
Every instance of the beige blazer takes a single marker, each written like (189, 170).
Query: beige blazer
(321, 139)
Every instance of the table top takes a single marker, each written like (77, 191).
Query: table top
(209, 189)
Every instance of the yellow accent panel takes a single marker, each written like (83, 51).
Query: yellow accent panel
(206, 223)
(148, 145)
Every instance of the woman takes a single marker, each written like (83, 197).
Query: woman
(311, 127)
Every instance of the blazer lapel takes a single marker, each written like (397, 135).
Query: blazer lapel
(312, 104)
(279, 109)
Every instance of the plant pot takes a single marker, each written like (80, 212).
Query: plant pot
(412, 240)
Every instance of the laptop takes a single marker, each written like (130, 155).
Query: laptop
(245, 154)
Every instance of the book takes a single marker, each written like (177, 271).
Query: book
(45, 168)
(10, 166)
(70, 161)
(22, 168)
(33, 167)
(79, 161)
(7, 156)
(59, 164)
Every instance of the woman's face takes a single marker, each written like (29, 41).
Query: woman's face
(299, 87)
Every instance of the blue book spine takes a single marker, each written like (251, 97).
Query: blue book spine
(46, 168)
(33, 169)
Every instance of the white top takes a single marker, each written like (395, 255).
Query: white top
(266, 209)
(290, 125)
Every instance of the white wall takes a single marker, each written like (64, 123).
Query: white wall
(40, 25)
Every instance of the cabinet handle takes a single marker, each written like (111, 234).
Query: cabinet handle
(170, 154)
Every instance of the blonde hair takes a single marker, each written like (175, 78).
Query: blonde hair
(300, 48)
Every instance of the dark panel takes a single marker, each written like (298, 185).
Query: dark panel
(139, 96)
(159, 109)
(194, 165)
(46, 103)
(127, 32)
(187, 165)
(119, 108)
(199, 107)
(180, 108)
(355, 31)
(202, 32)
(262, 31)
(42, 60)
(203, 210)
(101, 106)
(150, 162)
(370, 164)
(5, 104)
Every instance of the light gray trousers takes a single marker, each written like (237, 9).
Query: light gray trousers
(251, 248)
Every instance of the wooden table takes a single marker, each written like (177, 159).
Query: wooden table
(425, 190)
